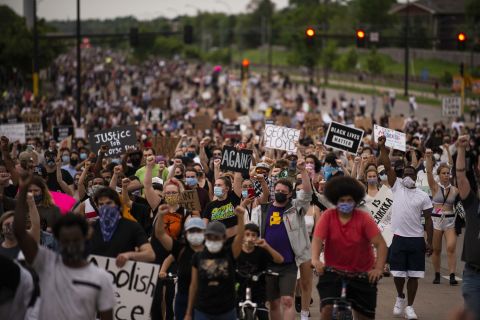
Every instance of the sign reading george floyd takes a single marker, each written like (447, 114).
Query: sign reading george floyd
(343, 137)
(118, 140)
(281, 138)
(134, 286)
(237, 160)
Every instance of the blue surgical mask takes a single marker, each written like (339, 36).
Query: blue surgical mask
(345, 207)
(244, 194)
(83, 156)
(328, 172)
(65, 159)
(191, 182)
(116, 160)
(218, 192)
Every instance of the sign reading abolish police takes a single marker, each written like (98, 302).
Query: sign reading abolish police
(343, 137)
(281, 138)
(134, 286)
(394, 139)
(237, 160)
(118, 140)
(381, 210)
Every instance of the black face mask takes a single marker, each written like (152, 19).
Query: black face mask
(73, 162)
(179, 177)
(280, 197)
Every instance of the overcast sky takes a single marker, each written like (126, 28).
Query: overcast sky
(141, 9)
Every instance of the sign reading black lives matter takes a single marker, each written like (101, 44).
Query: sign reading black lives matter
(237, 160)
(118, 140)
(340, 136)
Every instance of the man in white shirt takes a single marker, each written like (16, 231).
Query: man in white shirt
(408, 248)
(70, 287)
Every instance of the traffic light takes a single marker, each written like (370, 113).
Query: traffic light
(461, 41)
(244, 70)
(360, 38)
(309, 36)
(188, 34)
(134, 37)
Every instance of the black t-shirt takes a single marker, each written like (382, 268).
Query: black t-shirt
(142, 213)
(183, 254)
(216, 281)
(223, 211)
(11, 253)
(48, 216)
(52, 182)
(126, 237)
(471, 244)
(253, 263)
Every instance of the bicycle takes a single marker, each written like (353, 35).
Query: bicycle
(248, 308)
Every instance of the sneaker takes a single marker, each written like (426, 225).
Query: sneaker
(436, 280)
(399, 307)
(410, 313)
(453, 281)
(304, 315)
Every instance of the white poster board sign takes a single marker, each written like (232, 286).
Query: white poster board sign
(14, 132)
(395, 139)
(381, 210)
(281, 138)
(451, 106)
(134, 286)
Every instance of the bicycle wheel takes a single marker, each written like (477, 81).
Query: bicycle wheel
(248, 314)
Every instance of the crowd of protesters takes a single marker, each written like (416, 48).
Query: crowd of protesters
(295, 214)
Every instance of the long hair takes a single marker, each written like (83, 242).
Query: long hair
(47, 197)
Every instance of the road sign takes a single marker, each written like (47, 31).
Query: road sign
(374, 37)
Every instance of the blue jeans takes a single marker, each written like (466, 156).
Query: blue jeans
(230, 315)
(180, 308)
(471, 291)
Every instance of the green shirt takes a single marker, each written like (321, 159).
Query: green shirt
(141, 173)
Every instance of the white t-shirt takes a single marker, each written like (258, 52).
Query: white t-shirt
(407, 208)
(71, 293)
(16, 308)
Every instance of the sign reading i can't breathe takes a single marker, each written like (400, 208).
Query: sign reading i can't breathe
(237, 160)
(281, 138)
(118, 140)
(343, 137)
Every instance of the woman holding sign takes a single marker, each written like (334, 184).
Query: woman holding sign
(443, 217)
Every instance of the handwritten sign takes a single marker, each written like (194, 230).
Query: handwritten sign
(237, 160)
(14, 132)
(190, 201)
(33, 130)
(281, 138)
(395, 139)
(381, 210)
(134, 286)
(343, 137)
(118, 140)
(61, 132)
(313, 121)
(165, 146)
(202, 122)
(396, 123)
(451, 106)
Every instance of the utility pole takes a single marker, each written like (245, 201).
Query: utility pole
(35, 51)
(79, 68)
(406, 58)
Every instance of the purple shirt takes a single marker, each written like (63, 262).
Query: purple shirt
(276, 234)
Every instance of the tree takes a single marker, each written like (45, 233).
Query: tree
(375, 63)
(329, 56)
(372, 12)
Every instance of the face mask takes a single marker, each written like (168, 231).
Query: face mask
(73, 162)
(383, 177)
(83, 156)
(328, 172)
(172, 200)
(38, 198)
(372, 181)
(73, 252)
(300, 194)
(218, 192)
(136, 193)
(309, 166)
(50, 163)
(7, 231)
(280, 197)
(408, 182)
(244, 194)
(195, 239)
(191, 155)
(345, 207)
(65, 159)
(179, 176)
(109, 218)
(214, 246)
(191, 182)
(116, 161)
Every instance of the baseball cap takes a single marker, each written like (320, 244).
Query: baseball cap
(157, 180)
(380, 168)
(216, 228)
(263, 165)
(194, 223)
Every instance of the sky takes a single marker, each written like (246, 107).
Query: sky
(141, 9)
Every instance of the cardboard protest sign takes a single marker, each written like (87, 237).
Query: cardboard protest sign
(364, 123)
(202, 122)
(160, 102)
(381, 210)
(34, 116)
(281, 138)
(237, 160)
(80, 133)
(395, 139)
(312, 122)
(343, 137)
(61, 132)
(190, 201)
(133, 285)
(33, 130)
(451, 106)
(396, 123)
(165, 146)
(118, 140)
(14, 132)
(230, 114)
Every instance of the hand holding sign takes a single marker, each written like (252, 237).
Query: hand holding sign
(381, 143)
(117, 170)
(122, 259)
